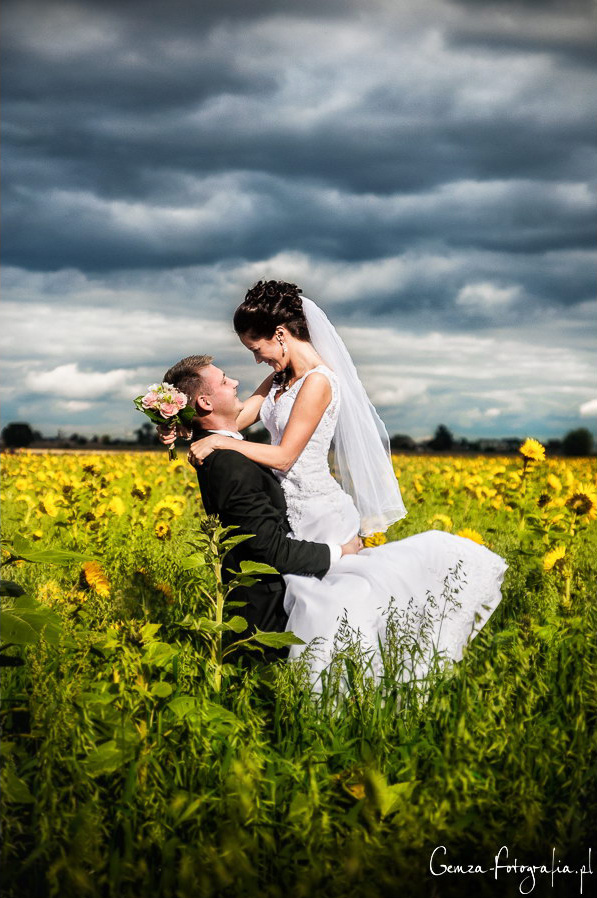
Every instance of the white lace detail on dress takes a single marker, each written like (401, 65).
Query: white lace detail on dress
(310, 475)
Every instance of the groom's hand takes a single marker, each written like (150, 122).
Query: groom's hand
(166, 433)
(353, 547)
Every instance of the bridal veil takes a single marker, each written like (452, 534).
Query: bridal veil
(361, 444)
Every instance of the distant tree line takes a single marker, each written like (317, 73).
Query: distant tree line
(578, 442)
(19, 434)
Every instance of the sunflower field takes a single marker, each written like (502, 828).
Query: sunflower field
(137, 760)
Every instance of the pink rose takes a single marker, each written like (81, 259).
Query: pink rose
(168, 409)
(181, 400)
(150, 400)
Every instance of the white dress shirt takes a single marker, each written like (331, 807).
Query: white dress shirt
(229, 433)
(335, 549)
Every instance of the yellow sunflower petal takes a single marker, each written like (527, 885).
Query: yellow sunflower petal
(532, 449)
(554, 558)
(467, 533)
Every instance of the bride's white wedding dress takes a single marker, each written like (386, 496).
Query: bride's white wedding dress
(441, 588)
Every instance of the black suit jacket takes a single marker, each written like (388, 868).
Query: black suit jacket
(244, 493)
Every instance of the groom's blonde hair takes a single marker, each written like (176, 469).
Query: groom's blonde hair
(186, 376)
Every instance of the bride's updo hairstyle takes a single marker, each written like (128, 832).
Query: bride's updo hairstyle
(268, 305)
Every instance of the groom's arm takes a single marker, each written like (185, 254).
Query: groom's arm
(236, 491)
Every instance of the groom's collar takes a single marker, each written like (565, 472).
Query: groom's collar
(229, 433)
(200, 433)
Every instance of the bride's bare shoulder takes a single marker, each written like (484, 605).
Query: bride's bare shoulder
(315, 386)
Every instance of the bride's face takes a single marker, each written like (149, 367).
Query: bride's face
(268, 351)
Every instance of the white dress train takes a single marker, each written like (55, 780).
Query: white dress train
(439, 587)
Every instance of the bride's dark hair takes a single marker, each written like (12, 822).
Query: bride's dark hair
(269, 304)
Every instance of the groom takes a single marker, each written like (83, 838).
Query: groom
(244, 493)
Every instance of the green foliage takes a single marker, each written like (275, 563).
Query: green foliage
(212, 542)
(578, 442)
(24, 620)
(17, 434)
(21, 550)
(137, 758)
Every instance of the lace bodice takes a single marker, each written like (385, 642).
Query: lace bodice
(309, 479)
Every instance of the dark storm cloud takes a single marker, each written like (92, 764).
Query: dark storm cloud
(254, 216)
(180, 15)
(122, 153)
(575, 52)
(124, 109)
(162, 93)
(581, 8)
(424, 168)
(566, 32)
(127, 75)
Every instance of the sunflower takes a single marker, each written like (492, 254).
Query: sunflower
(532, 450)
(50, 593)
(162, 530)
(554, 558)
(374, 539)
(569, 478)
(26, 498)
(467, 533)
(116, 506)
(583, 501)
(441, 519)
(173, 506)
(48, 504)
(554, 482)
(140, 490)
(357, 790)
(94, 578)
(166, 590)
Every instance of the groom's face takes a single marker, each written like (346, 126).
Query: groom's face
(220, 396)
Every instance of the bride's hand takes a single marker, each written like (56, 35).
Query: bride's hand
(199, 450)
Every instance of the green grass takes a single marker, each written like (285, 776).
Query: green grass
(126, 774)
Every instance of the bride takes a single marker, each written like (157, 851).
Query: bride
(441, 587)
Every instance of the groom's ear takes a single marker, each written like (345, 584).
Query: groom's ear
(204, 404)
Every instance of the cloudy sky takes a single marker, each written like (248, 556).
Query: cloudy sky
(425, 169)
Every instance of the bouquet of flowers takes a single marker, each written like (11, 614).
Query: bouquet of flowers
(163, 404)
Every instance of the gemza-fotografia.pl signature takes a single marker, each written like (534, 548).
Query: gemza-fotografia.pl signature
(503, 866)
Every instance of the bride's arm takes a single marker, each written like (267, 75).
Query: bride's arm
(252, 406)
(312, 400)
